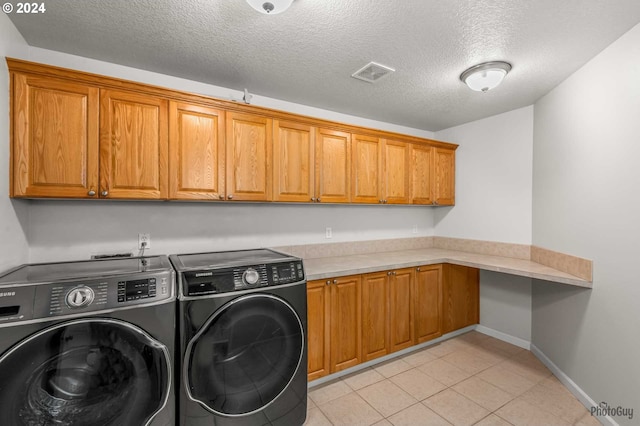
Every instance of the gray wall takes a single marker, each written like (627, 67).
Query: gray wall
(586, 181)
(13, 214)
(493, 202)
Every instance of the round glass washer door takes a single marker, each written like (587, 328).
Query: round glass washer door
(93, 372)
(245, 355)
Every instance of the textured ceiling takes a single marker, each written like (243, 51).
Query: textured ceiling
(308, 53)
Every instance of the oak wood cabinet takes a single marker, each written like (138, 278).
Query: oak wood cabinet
(55, 138)
(427, 297)
(249, 150)
(432, 175)
(196, 152)
(133, 145)
(396, 175)
(293, 162)
(318, 329)
(366, 169)
(461, 297)
(333, 166)
(401, 309)
(375, 315)
(337, 325)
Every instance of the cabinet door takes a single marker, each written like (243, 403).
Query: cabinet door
(461, 299)
(401, 309)
(396, 172)
(428, 303)
(366, 166)
(345, 319)
(375, 314)
(293, 165)
(196, 152)
(133, 145)
(249, 145)
(445, 171)
(333, 165)
(317, 329)
(422, 179)
(55, 138)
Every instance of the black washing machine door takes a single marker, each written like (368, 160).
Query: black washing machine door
(93, 372)
(244, 356)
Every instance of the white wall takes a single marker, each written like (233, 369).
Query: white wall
(585, 202)
(13, 214)
(493, 202)
(493, 179)
(61, 230)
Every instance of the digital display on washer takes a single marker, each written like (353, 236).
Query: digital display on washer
(283, 273)
(136, 289)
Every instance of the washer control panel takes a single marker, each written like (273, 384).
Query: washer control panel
(66, 298)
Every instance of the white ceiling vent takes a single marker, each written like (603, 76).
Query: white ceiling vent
(372, 72)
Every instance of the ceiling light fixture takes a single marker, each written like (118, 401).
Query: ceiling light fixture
(485, 76)
(270, 7)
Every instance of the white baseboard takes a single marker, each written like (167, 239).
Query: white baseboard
(521, 343)
(582, 396)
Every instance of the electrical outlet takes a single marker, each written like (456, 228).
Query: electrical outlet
(144, 241)
(415, 229)
(327, 233)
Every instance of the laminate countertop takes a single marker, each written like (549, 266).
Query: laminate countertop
(331, 267)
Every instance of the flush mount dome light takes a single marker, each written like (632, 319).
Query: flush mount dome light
(485, 76)
(270, 7)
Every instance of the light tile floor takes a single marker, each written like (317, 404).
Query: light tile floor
(472, 379)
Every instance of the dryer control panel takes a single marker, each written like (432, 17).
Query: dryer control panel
(224, 280)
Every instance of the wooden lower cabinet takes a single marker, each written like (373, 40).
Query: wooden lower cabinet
(427, 297)
(333, 325)
(461, 297)
(401, 333)
(359, 318)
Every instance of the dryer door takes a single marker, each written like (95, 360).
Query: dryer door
(93, 372)
(245, 355)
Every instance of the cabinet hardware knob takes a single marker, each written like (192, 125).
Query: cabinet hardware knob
(389, 273)
(104, 193)
(230, 196)
(381, 201)
(221, 196)
(435, 203)
(318, 200)
(91, 193)
(385, 201)
(328, 282)
(313, 199)
(394, 272)
(335, 281)
(418, 269)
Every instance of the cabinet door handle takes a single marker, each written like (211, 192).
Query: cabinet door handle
(230, 196)
(318, 200)
(389, 273)
(328, 282)
(104, 193)
(418, 269)
(384, 201)
(91, 193)
(381, 201)
(313, 199)
(335, 281)
(221, 197)
(394, 272)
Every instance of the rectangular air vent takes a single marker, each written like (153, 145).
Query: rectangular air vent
(372, 72)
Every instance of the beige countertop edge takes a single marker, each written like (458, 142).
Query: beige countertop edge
(361, 264)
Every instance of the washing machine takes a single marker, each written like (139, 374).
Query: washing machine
(88, 343)
(242, 321)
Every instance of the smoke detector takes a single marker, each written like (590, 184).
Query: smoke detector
(372, 72)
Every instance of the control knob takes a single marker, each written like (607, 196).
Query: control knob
(250, 277)
(79, 297)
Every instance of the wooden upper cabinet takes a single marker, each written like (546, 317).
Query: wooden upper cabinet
(55, 138)
(428, 303)
(445, 171)
(318, 329)
(422, 175)
(396, 172)
(333, 166)
(196, 152)
(133, 145)
(293, 162)
(366, 169)
(375, 318)
(249, 149)
(401, 329)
